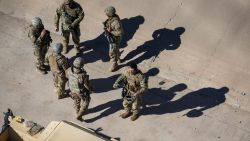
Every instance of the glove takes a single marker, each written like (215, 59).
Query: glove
(115, 85)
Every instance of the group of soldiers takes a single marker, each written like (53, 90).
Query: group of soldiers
(70, 14)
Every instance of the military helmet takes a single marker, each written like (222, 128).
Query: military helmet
(110, 11)
(36, 22)
(58, 48)
(68, 1)
(78, 62)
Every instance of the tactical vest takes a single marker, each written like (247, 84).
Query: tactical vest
(110, 21)
(69, 15)
(76, 81)
(133, 81)
(36, 32)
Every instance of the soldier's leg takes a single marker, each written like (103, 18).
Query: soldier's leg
(84, 104)
(136, 108)
(56, 81)
(77, 101)
(39, 60)
(65, 38)
(127, 109)
(61, 86)
(76, 39)
(43, 53)
(118, 49)
(113, 55)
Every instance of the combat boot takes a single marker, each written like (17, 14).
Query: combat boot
(79, 117)
(62, 96)
(114, 67)
(134, 117)
(40, 70)
(126, 114)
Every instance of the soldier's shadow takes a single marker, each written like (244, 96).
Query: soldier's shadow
(98, 48)
(115, 105)
(163, 39)
(158, 101)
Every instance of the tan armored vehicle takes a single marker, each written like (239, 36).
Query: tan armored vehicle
(17, 129)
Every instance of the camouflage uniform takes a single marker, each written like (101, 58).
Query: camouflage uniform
(135, 86)
(40, 45)
(58, 65)
(80, 88)
(113, 23)
(70, 20)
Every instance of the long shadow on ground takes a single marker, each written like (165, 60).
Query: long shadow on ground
(98, 48)
(163, 39)
(158, 101)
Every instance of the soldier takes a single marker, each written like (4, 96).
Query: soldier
(71, 14)
(58, 64)
(135, 84)
(113, 27)
(41, 40)
(80, 87)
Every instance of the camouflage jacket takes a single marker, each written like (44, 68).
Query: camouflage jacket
(114, 23)
(79, 82)
(35, 36)
(58, 63)
(134, 83)
(69, 16)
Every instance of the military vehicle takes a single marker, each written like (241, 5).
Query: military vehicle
(17, 128)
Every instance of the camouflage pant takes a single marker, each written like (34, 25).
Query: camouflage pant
(133, 107)
(114, 53)
(81, 103)
(60, 82)
(40, 53)
(75, 37)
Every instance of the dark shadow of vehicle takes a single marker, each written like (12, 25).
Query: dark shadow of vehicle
(196, 101)
(163, 39)
(114, 105)
(98, 48)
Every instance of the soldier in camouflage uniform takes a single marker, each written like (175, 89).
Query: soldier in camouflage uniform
(58, 65)
(80, 87)
(71, 14)
(113, 25)
(40, 37)
(135, 84)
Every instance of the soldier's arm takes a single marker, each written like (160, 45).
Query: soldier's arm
(32, 37)
(57, 17)
(119, 80)
(65, 64)
(34, 40)
(117, 28)
(80, 17)
(87, 83)
(143, 85)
